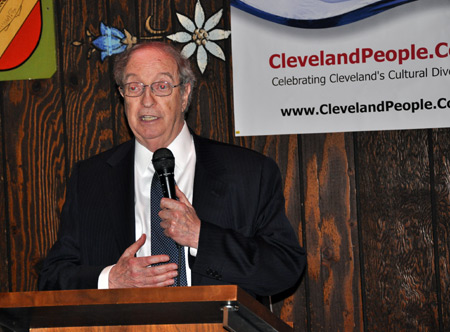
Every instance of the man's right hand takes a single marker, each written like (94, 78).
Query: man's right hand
(131, 271)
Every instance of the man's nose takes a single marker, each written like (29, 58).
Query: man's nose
(147, 98)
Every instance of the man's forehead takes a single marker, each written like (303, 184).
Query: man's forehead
(153, 58)
(152, 53)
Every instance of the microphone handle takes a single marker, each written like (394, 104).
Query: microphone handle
(168, 185)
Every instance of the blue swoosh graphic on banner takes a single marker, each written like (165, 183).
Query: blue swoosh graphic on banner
(328, 22)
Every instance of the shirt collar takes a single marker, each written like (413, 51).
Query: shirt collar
(181, 148)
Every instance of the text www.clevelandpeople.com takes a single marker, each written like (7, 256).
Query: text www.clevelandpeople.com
(383, 106)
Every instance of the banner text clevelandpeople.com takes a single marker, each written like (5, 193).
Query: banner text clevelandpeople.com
(359, 55)
(355, 108)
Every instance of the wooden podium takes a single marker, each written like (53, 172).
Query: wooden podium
(199, 308)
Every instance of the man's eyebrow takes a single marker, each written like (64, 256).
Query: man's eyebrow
(169, 75)
(128, 76)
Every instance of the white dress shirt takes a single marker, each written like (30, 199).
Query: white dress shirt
(183, 150)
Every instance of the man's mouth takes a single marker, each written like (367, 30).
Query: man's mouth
(148, 118)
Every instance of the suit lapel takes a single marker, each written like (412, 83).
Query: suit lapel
(120, 194)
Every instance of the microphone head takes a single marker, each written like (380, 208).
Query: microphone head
(163, 161)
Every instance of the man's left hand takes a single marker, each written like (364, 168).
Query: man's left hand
(179, 220)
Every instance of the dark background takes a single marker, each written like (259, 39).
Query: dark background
(371, 208)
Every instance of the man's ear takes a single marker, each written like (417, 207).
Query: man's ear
(120, 91)
(185, 97)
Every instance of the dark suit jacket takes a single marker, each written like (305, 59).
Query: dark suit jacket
(245, 237)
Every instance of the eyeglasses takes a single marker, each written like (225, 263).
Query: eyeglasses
(136, 89)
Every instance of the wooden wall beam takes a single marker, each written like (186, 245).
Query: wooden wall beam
(331, 233)
(4, 221)
(397, 232)
(441, 225)
(35, 174)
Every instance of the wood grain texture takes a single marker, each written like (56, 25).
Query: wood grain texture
(87, 86)
(4, 222)
(397, 234)
(139, 328)
(35, 171)
(331, 233)
(147, 306)
(441, 137)
(123, 17)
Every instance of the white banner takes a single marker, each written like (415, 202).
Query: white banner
(314, 66)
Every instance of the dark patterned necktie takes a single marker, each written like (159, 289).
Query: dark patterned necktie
(161, 244)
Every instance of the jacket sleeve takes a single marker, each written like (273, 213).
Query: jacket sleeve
(62, 268)
(258, 249)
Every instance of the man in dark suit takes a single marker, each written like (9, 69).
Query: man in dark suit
(234, 232)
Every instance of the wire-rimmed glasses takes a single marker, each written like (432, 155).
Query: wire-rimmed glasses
(136, 89)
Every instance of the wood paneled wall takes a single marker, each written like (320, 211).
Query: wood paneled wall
(372, 209)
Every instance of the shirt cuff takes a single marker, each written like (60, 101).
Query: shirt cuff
(193, 251)
(103, 278)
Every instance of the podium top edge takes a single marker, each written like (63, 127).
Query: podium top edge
(227, 293)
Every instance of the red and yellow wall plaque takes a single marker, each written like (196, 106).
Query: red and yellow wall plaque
(27, 39)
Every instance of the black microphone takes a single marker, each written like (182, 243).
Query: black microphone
(164, 164)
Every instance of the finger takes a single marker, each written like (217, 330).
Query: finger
(156, 259)
(171, 204)
(132, 250)
(168, 203)
(163, 280)
(164, 269)
(181, 196)
(160, 275)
